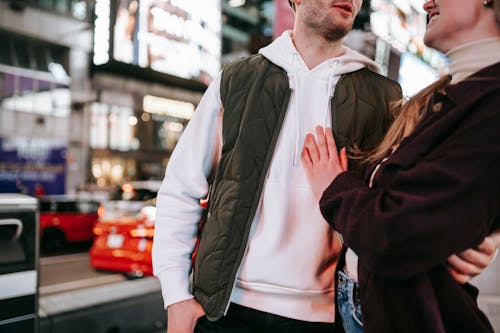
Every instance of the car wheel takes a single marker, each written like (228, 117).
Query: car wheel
(53, 240)
(134, 275)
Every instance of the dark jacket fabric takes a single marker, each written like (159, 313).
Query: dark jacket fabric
(255, 95)
(436, 195)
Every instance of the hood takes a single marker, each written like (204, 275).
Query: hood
(282, 53)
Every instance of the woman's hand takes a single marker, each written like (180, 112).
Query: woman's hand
(322, 162)
(467, 264)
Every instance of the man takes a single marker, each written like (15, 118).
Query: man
(266, 258)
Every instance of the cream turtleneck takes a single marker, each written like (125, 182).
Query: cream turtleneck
(469, 58)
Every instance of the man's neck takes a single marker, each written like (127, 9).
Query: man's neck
(315, 49)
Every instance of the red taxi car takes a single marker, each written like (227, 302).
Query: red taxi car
(124, 241)
(65, 219)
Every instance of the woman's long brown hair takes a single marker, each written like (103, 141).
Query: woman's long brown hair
(407, 114)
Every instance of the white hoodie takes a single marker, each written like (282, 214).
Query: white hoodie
(289, 263)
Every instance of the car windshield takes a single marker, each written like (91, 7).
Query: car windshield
(122, 210)
(137, 190)
(65, 205)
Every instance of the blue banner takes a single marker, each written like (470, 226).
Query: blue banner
(32, 166)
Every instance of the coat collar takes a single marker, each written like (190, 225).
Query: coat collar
(461, 96)
(475, 86)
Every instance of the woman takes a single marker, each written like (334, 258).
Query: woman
(432, 187)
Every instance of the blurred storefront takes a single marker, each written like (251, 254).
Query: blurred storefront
(152, 62)
(43, 78)
(109, 85)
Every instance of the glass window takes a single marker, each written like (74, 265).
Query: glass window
(7, 86)
(168, 131)
(87, 207)
(40, 55)
(45, 4)
(59, 55)
(61, 6)
(45, 206)
(5, 50)
(80, 10)
(25, 86)
(21, 53)
(120, 130)
(67, 207)
(99, 126)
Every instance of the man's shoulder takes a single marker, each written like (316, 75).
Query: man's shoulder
(375, 82)
(249, 61)
(366, 73)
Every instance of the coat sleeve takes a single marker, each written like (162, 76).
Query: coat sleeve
(448, 201)
(178, 209)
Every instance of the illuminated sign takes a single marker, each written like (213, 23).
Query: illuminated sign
(101, 32)
(176, 37)
(169, 107)
(26, 163)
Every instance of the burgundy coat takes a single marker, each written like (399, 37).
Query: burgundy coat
(437, 195)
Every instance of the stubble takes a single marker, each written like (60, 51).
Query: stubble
(319, 21)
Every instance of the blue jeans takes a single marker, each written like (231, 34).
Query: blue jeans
(348, 304)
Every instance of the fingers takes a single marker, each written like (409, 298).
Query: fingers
(344, 161)
(488, 246)
(312, 148)
(460, 278)
(323, 148)
(469, 263)
(462, 266)
(477, 258)
(306, 159)
(330, 142)
(322, 145)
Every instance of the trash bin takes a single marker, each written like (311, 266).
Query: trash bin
(18, 263)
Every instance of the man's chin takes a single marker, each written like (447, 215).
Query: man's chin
(337, 33)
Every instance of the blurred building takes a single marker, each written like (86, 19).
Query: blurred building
(152, 60)
(97, 92)
(44, 60)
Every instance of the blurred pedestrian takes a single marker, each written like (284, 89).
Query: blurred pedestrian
(431, 188)
(20, 187)
(39, 190)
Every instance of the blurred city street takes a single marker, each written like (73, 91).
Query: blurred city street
(76, 298)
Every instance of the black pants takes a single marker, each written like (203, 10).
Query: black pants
(240, 319)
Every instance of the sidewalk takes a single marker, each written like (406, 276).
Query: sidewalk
(489, 296)
(125, 307)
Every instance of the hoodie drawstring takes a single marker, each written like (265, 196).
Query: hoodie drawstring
(296, 107)
(296, 87)
(331, 81)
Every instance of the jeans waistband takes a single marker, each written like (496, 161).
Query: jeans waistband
(349, 285)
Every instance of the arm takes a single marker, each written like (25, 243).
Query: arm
(467, 264)
(443, 204)
(178, 203)
(321, 165)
